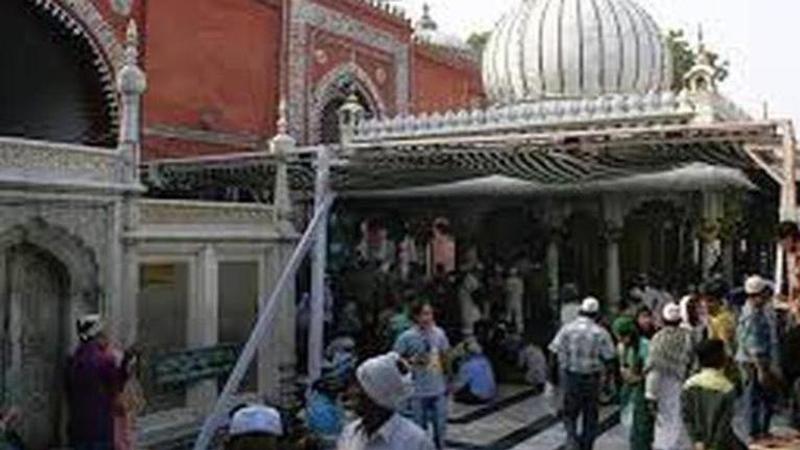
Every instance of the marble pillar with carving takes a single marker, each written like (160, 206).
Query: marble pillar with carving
(710, 232)
(442, 248)
(555, 237)
(613, 216)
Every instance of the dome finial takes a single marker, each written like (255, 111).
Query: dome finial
(426, 22)
(703, 54)
(283, 123)
(700, 40)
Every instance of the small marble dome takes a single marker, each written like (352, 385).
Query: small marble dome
(427, 30)
(575, 49)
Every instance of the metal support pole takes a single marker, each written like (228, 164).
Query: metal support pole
(265, 319)
(788, 208)
(317, 316)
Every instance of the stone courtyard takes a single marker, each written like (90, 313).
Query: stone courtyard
(521, 420)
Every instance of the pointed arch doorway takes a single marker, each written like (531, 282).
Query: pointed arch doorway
(35, 294)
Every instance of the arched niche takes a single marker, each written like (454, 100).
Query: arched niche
(54, 85)
(331, 94)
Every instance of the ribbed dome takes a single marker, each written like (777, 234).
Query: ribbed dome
(575, 48)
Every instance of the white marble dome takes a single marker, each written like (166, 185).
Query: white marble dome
(575, 49)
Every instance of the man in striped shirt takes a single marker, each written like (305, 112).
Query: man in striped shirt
(583, 349)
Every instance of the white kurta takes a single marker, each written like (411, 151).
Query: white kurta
(670, 433)
(515, 291)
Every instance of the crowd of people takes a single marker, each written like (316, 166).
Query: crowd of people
(708, 374)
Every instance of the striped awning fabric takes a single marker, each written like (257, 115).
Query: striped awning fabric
(547, 158)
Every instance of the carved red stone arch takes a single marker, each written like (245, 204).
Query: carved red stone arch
(83, 19)
(327, 90)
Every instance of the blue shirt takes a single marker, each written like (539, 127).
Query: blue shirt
(476, 372)
(425, 350)
(325, 416)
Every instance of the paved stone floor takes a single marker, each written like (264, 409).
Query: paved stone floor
(520, 421)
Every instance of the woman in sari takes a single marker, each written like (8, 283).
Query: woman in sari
(633, 350)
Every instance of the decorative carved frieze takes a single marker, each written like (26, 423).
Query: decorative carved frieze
(49, 161)
(184, 212)
(602, 111)
(85, 223)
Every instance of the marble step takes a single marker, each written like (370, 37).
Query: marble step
(554, 437)
(504, 427)
(508, 395)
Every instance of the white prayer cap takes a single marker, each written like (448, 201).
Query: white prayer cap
(256, 419)
(755, 285)
(590, 305)
(383, 382)
(89, 326)
(671, 312)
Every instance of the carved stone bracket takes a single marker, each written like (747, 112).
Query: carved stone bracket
(611, 232)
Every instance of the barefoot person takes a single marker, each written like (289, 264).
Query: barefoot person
(584, 349)
(426, 346)
(668, 363)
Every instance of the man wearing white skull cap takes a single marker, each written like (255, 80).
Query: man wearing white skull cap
(384, 385)
(667, 367)
(583, 348)
(758, 354)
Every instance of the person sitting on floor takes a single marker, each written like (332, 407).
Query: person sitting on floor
(708, 400)
(534, 363)
(475, 383)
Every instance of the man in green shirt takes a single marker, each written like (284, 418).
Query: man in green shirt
(707, 401)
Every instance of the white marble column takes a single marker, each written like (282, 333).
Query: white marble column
(555, 222)
(277, 355)
(203, 326)
(112, 296)
(130, 297)
(552, 263)
(614, 220)
(713, 211)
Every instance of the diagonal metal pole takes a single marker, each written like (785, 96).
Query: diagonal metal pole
(265, 320)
